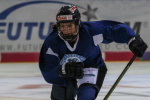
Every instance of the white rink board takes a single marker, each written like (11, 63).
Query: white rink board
(23, 81)
(24, 24)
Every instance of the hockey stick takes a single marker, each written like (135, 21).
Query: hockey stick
(120, 77)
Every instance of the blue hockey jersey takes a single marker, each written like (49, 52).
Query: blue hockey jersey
(56, 51)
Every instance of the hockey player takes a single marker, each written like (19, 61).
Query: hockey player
(71, 58)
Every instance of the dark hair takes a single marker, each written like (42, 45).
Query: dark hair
(54, 27)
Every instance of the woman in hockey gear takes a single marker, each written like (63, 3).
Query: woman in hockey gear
(71, 58)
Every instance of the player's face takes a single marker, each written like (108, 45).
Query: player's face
(68, 28)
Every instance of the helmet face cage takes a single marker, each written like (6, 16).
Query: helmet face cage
(66, 14)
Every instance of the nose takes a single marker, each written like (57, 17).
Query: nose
(65, 30)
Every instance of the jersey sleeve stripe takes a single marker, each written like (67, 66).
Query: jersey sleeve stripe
(98, 39)
(49, 51)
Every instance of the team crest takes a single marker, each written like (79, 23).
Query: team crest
(72, 58)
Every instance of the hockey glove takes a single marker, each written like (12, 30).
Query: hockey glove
(72, 70)
(137, 46)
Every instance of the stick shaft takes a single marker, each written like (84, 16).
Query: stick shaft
(120, 77)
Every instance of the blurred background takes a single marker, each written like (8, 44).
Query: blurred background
(24, 25)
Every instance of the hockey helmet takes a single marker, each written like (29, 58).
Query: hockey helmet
(68, 13)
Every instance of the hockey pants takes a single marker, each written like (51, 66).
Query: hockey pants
(85, 91)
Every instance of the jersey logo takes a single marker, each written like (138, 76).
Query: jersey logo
(72, 58)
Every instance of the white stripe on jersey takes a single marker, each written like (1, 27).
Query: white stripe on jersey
(49, 51)
(75, 45)
(98, 39)
(90, 76)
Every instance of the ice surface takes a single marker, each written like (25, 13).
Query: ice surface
(23, 81)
